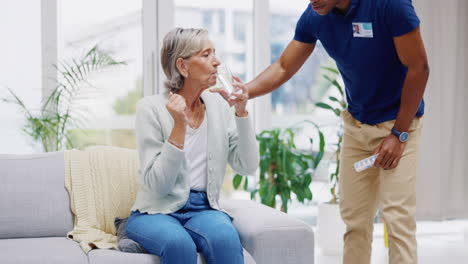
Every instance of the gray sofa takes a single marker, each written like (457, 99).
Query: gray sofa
(35, 217)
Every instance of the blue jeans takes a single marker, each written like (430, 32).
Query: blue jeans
(177, 237)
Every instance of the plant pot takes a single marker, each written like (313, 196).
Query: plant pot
(330, 229)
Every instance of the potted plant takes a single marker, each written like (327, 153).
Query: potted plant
(284, 168)
(330, 226)
(49, 125)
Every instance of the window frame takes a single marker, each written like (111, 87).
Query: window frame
(157, 20)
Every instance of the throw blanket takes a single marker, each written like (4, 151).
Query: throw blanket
(102, 182)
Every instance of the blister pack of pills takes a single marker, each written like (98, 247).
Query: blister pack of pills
(366, 163)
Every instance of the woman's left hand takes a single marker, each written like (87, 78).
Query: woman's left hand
(238, 98)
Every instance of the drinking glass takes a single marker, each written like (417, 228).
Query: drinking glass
(224, 80)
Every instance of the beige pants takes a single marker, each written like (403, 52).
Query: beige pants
(394, 191)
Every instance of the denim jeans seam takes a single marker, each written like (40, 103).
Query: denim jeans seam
(204, 236)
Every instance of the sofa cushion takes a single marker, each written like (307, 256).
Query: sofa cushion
(271, 236)
(47, 250)
(33, 198)
(104, 256)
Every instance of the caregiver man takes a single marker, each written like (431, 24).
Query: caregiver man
(380, 54)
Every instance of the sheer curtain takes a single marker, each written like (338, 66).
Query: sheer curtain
(443, 165)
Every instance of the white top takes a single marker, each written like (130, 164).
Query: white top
(196, 149)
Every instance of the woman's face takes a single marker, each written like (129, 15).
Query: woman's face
(202, 66)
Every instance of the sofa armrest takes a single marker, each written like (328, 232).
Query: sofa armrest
(269, 235)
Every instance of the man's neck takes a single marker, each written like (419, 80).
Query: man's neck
(343, 6)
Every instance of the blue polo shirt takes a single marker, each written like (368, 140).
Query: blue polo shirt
(361, 43)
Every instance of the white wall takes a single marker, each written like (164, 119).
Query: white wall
(443, 170)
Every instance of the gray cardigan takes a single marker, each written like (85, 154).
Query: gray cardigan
(164, 180)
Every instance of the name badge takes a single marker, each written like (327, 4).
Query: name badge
(362, 30)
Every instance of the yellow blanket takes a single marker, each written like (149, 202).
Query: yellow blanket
(102, 182)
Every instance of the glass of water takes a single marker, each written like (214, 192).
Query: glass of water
(224, 80)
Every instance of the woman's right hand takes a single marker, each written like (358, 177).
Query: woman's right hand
(176, 107)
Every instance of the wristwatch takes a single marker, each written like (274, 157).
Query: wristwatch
(402, 136)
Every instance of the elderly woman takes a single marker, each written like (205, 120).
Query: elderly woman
(185, 140)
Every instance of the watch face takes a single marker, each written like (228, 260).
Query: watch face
(404, 137)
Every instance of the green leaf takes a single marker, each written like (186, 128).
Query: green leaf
(270, 198)
(307, 193)
(262, 149)
(236, 181)
(337, 112)
(335, 83)
(333, 70)
(246, 183)
(299, 194)
(324, 106)
(332, 176)
(321, 141)
(284, 202)
(252, 194)
(263, 189)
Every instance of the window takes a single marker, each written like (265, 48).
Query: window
(20, 24)
(230, 26)
(110, 100)
(295, 100)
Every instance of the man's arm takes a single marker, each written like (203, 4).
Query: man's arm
(410, 49)
(291, 60)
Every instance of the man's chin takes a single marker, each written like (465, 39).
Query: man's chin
(322, 12)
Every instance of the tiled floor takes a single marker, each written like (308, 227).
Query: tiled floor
(438, 243)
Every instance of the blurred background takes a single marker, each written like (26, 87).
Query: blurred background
(49, 43)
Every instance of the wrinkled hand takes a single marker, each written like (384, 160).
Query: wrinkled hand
(176, 106)
(390, 151)
(238, 98)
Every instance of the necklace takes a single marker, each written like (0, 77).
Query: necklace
(197, 117)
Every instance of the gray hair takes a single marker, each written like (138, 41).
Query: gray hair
(180, 43)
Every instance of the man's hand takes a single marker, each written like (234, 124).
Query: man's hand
(390, 151)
